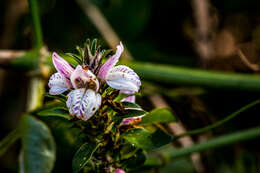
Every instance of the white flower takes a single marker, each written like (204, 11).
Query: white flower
(83, 103)
(119, 77)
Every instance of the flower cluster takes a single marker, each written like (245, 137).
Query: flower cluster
(86, 80)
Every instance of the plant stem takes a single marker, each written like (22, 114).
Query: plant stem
(211, 144)
(34, 10)
(196, 77)
(218, 142)
(218, 123)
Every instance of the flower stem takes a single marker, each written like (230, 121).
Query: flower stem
(219, 123)
(36, 23)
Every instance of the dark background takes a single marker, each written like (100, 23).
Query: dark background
(164, 32)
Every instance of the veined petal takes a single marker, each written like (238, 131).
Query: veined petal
(111, 62)
(83, 103)
(123, 78)
(81, 77)
(58, 84)
(61, 65)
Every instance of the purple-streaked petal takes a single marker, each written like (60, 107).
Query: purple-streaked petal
(81, 77)
(123, 78)
(83, 103)
(131, 120)
(58, 84)
(111, 62)
(61, 65)
(130, 99)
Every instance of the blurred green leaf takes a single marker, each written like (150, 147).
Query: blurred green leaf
(145, 139)
(160, 115)
(134, 113)
(135, 161)
(130, 105)
(58, 97)
(10, 139)
(56, 113)
(38, 146)
(83, 156)
(51, 105)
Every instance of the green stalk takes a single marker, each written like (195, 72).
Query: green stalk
(219, 123)
(211, 144)
(195, 77)
(218, 142)
(34, 10)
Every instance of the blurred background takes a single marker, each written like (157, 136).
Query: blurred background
(220, 35)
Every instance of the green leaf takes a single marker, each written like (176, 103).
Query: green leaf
(76, 57)
(10, 139)
(56, 113)
(51, 105)
(83, 156)
(145, 139)
(130, 105)
(121, 96)
(94, 46)
(136, 161)
(134, 113)
(62, 98)
(38, 146)
(160, 115)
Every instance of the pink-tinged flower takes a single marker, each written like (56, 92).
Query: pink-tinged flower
(61, 65)
(83, 103)
(82, 76)
(119, 77)
(58, 84)
(130, 99)
(118, 170)
(131, 120)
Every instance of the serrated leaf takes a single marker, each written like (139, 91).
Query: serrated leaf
(38, 147)
(83, 156)
(10, 139)
(160, 115)
(144, 139)
(56, 113)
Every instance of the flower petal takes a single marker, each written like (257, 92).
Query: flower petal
(58, 84)
(61, 65)
(123, 78)
(129, 99)
(118, 170)
(83, 103)
(81, 77)
(111, 62)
